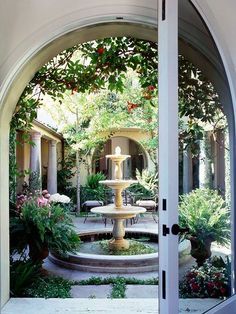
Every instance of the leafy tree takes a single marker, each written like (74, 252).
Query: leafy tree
(103, 64)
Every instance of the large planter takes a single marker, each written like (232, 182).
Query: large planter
(201, 251)
(36, 253)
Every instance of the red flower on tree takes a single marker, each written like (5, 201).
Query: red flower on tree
(131, 106)
(150, 88)
(100, 50)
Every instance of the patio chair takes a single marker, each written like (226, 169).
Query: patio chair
(87, 205)
(148, 202)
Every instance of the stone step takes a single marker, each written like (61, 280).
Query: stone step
(91, 291)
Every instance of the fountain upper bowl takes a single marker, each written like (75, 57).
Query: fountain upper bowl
(118, 183)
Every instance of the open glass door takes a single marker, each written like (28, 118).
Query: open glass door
(204, 283)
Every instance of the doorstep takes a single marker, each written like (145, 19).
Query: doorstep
(100, 306)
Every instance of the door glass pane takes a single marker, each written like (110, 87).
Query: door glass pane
(204, 211)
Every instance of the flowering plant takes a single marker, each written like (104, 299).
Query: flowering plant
(40, 199)
(39, 228)
(59, 198)
(211, 280)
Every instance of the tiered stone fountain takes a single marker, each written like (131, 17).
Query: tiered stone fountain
(118, 212)
(91, 260)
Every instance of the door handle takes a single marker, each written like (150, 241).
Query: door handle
(177, 230)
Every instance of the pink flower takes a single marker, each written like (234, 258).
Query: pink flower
(42, 201)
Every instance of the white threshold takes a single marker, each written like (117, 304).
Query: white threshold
(92, 306)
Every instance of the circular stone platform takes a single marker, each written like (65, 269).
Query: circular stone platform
(115, 263)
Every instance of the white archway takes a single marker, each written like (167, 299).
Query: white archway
(89, 22)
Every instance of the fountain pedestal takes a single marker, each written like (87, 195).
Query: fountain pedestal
(118, 212)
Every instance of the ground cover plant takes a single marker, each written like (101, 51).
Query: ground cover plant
(118, 284)
(47, 286)
(135, 248)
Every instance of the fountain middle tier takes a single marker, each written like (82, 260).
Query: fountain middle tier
(124, 212)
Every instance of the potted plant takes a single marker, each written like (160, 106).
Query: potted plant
(40, 228)
(205, 214)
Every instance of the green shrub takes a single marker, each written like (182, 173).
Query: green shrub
(22, 274)
(42, 227)
(93, 180)
(204, 212)
(93, 190)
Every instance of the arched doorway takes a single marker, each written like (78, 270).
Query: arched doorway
(137, 160)
(141, 23)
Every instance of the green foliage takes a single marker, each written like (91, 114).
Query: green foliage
(204, 212)
(93, 180)
(138, 191)
(135, 248)
(34, 182)
(12, 166)
(118, 289)
(42, 227)
(65, 174)
(148, 180)
(49, 287)
(111, 280)
(93, 190)
(88, 194)
(22, 274)
(104, 63)
(208, 281)
(118, 284)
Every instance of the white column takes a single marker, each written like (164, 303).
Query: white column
(168, 154)
(35, 153)
(187, 171)
(52, 167)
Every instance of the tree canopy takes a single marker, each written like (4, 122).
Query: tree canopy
(103, 64)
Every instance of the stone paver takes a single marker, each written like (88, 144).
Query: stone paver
(141, 291)
(91, 291)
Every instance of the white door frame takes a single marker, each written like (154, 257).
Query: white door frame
(168, 154)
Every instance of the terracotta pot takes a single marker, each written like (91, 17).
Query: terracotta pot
(200, 251)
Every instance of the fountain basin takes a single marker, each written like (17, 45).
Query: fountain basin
(115, 263)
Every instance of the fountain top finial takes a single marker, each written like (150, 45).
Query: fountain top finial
(118, 150)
